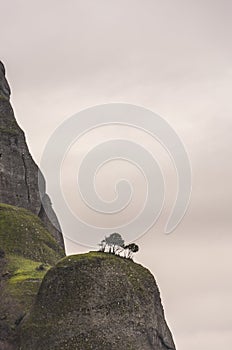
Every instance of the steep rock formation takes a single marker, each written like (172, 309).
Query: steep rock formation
(18, 171)
(27, 250)
(92, 301)
(97, 301)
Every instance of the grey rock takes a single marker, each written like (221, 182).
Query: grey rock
(97, 301)
(4, 86)
(18, 171)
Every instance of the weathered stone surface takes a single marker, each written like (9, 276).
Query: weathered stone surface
(97, 301)
(18, 171)
(4, 86)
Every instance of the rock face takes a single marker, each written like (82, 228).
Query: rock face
(4, 86)
(97, 301)
(18, 171)
(27, 250)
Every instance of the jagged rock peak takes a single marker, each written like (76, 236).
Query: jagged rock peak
(4, 86)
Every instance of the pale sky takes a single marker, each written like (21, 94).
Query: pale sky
(174, 58)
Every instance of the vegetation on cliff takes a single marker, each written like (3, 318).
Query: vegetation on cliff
(23, 233)
(27, 250)
(115, 244)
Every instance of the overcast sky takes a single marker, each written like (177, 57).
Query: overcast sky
(174, 58)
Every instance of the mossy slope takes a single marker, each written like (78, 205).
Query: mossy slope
(23, 233)
(27, 250)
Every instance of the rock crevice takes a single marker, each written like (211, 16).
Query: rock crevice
(26, 180)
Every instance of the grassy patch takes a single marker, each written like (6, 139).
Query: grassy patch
(25, 279)
(24, 269)
(91, 256)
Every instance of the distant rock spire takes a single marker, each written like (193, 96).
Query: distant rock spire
(4, 86)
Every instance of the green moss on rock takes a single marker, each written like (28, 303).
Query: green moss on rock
(27, 252)
(24, 234)
(25, 277)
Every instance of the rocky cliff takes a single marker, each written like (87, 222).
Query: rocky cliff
(18, 171)
(97, 301)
